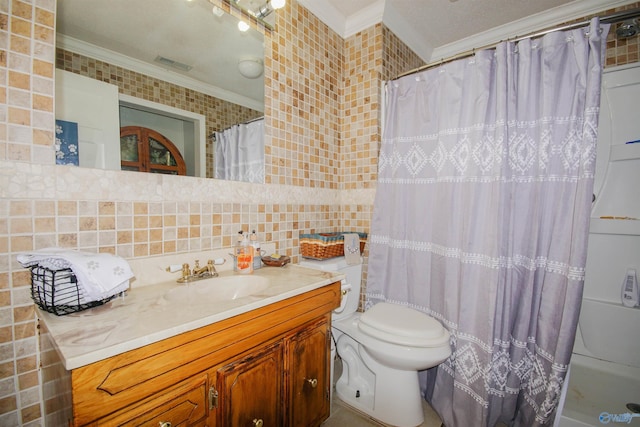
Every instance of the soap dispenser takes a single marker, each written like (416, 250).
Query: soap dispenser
(236, 250)
(257, 253)
(244, 254)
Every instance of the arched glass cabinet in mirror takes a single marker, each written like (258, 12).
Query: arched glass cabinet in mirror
(164, 58)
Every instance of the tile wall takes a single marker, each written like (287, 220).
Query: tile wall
(321, 112)
(137, 215)
(622, 51)
(302, 101)
(26, 136)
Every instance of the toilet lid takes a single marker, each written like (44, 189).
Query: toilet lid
(402, 325)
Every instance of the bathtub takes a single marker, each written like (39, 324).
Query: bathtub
(604, 371)
(596, 386)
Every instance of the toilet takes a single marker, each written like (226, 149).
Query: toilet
(382, 351)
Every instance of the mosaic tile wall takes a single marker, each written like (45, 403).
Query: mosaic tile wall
(309, 74)
(360, 108)
(622, 51)
(302, 101)
(397, 57)
(26, 136)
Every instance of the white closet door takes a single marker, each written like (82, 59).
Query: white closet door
(94, 106)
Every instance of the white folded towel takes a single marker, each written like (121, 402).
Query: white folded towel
(99, 275)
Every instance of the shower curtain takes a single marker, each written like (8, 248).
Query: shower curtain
(239, 152)
(481, 218)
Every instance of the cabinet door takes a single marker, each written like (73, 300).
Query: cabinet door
(308, 357)
(183, 405)
(250, 389)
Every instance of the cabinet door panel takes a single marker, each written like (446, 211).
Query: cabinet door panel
(184, 405)
(308, 354)
(251, 389)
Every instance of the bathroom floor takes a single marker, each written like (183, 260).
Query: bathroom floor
(343, 415)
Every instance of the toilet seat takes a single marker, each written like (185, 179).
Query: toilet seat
(402, 325)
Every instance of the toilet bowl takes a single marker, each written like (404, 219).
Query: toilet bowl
(382, 351)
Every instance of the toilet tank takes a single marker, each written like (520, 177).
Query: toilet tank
(351, 286)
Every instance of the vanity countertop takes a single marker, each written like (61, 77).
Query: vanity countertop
(146, 316)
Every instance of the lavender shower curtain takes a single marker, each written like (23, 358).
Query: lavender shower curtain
(481, 218)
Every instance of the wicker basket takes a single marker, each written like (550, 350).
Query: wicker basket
(326, 245)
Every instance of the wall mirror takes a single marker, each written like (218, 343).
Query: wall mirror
(190, 44)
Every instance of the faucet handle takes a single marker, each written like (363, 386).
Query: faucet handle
(211, 266)
(185, 271)
(173, 268)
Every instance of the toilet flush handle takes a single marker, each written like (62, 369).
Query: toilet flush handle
(344, 288)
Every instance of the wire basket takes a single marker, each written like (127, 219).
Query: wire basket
(58, 292)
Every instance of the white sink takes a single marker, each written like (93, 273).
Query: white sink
(225, 288)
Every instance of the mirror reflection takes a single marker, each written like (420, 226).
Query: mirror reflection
(179, 68)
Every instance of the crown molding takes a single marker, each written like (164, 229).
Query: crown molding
(365, 18)
(327, 14)
(111, 57)
(346, 26)
(547, 19)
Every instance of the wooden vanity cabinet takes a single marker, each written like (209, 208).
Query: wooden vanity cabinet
(268, 367)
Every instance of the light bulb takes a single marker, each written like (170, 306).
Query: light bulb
(243, 26)
(278, 4)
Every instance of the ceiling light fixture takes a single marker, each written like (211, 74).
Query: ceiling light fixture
(243, 26)
(217, 11)
(250, 68)
(262, 12)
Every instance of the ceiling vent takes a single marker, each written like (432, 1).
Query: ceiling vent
(173, 64)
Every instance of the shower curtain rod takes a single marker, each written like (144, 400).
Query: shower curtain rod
(252, 120)
(606, 19)
(213, 135)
